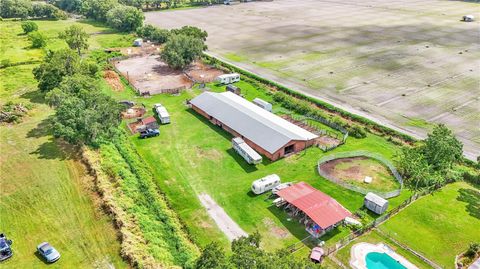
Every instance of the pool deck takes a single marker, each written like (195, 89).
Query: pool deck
(359, 252)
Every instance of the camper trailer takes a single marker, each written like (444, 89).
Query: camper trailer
(263, 104)
(162, 113)
(244, 150)
(264, 184)
(228, 78)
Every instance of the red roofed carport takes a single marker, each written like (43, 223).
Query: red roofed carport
(323, 211)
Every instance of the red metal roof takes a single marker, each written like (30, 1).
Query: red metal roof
(321, 208)
(149, 120)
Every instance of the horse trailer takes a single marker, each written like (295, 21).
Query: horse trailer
(244, 150)
(162, 113)
(263, 104)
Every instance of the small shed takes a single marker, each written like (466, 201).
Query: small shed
(233, 89)
(138, 42)
(263, 104)
(375, 203)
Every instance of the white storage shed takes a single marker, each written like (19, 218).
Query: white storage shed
(375, 203)
(228, 78)
(249, 154)
(264, 184)
(263, 104)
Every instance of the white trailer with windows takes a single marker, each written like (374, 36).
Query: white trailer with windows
(263, 104)
(162, 113)
(265, 184)
(249, 154)
(228, 78)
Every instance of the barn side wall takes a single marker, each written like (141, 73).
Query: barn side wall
(298, 145)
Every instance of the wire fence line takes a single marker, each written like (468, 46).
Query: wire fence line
(360, 153)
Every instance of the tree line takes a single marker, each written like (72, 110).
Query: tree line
(24, 9)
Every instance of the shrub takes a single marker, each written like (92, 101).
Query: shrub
(472, 250)
(154, 34)
(29, 26)
(38, 39)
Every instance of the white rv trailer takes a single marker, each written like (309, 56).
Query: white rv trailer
(249, 154)
(162, 113)
(264, 184)
(228, 78)
(263, 104)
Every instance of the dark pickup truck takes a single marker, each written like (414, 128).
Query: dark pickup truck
(149, 133)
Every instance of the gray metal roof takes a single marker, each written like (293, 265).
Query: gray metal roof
(258, 125)
(372, 197)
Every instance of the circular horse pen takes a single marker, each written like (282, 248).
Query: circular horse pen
(363, 172)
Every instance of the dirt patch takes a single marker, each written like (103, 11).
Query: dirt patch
(150, 75)
(229, 227)
(210, 154)
(145, 49)
(202, 73)
(274, 229)
(356, 169)
(327, 141)
(113, 79)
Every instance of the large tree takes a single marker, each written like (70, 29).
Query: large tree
(97, 9)
(125, 18)
(76, 38)
(182, 50)
(442, 148)
(83, 114)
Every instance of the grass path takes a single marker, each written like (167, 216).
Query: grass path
(45, 197)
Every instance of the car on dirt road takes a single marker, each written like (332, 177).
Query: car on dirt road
(149, 133)
(49, 253)
(5, 249)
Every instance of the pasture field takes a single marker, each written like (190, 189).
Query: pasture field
(440, 225)
(192, 156)
(406, 64)
(46, 194)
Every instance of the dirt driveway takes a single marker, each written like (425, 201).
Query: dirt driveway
(229, 227)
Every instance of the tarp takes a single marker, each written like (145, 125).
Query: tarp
(321, 208)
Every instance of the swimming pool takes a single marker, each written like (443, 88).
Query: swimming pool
(377, 260)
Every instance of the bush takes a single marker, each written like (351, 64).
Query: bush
(41, 10)
(38, 39)
(15, 8)
(29, 26)
(125, 18)
(472, 250)
(154, 34)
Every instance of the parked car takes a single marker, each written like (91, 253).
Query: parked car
(149, 133)
(5, 249)
(281, 187)
(49, 253)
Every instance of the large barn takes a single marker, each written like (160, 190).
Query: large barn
(264, 131)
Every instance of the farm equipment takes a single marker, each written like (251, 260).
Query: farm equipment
(5, 249)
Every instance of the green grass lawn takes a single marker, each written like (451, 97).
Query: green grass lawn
(440, 225)
(192, 156)
(15, 46)
(45, 192)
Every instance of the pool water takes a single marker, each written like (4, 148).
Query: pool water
(376, 260)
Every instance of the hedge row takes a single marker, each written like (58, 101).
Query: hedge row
(152, 235)
(371, 125)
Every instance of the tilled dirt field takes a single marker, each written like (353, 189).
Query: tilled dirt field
(406, 63)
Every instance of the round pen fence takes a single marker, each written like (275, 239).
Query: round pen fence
(361, 153)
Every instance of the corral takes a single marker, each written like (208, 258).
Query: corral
(406, 64)
(150, 75)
